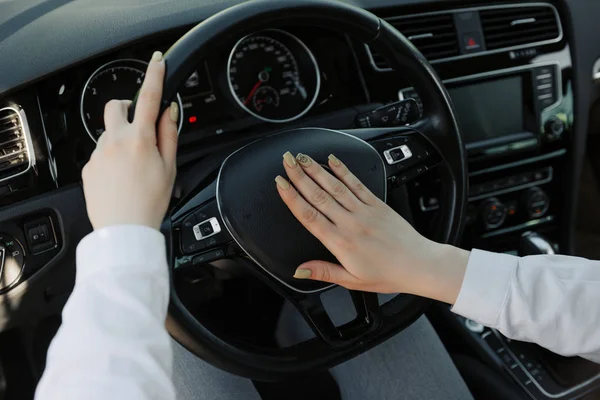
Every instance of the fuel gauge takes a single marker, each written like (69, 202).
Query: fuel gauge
(265, 98)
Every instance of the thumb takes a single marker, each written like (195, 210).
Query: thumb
(167, 134)
(325, 272)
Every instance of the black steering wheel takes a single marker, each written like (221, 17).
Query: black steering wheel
(239, 215)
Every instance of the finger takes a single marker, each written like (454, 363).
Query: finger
(326, 272)
(308, 216)
(167, 134)
(115, 115)
(150, 96)
(329, 183)
(352, 182)
(313, 193)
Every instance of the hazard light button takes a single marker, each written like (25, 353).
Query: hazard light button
(472, 42)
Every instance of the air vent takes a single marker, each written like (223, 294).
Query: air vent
(14, 151)
(433, 35)
(519, 26)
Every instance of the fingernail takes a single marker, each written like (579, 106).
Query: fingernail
(174, 113)
(334, 160)
(303, 273)
(282, 182)
(303, 159)
(157, 56)
(289, 160)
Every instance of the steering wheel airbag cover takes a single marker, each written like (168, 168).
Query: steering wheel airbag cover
(256, 216)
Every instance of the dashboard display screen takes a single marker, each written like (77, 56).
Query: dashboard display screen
(489, 110)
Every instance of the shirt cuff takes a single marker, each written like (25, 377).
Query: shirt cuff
(122, 248)
(485, 286)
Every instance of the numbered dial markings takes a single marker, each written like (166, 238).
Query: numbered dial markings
(273, 76)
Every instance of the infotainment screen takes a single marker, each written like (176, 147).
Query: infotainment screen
(489, 110)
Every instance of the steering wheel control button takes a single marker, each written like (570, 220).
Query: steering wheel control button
(207, 229)
(208, 257)
(397, 154)
(40, 236)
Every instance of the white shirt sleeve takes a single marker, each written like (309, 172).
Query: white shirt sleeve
(113, 343)
(553, 301)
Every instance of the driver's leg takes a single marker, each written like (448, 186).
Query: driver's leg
(412, 365)
(195, 379)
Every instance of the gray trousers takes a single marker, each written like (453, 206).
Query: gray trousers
(412, 365)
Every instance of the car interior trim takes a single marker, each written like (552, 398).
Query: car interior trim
(527, 224)
(596, 71)
(534, 380)
(532, 160)
(481, 53)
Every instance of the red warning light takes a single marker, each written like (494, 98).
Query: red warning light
(472, 43)
(193, 119)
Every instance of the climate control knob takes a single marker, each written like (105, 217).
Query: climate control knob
(536, 202)
(493, 213)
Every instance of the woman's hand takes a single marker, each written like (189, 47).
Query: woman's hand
(379, 251)
(130, 176)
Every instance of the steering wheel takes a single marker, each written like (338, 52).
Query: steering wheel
(239, 216)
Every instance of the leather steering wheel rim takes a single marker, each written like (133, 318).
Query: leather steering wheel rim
(443, 135)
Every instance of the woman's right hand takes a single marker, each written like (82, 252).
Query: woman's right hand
(378, 250)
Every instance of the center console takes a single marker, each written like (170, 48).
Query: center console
(513, 98)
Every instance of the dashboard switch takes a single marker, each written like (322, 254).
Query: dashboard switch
(39, 235)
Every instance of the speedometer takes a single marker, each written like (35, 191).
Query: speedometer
(120, 80)
(273, 76)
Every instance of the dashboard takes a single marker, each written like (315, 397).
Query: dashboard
(518, 74)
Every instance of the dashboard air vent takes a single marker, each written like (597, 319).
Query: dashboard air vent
(518, 26)
(433, 35)
(14, 151)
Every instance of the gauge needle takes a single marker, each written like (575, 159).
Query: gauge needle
(254, 89)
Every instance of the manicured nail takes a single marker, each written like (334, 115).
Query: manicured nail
(303, 159)
(282, 182)
(303, 273)
(289, 160)
(174, 113)
(157, 56)
(334, 160)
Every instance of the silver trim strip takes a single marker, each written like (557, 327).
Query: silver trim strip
(310, 55)
(143, 72)
(523, 21)
(51, 159)
(535, 382)
(421, 36)
(242, 247)
(596, 71)
(506, 71)
(487, 52)
(528, 224)
(28, 142)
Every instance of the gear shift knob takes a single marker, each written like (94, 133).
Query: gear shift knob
(533, 243)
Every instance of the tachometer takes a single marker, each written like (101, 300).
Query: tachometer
(119, 79)
(273, 76)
